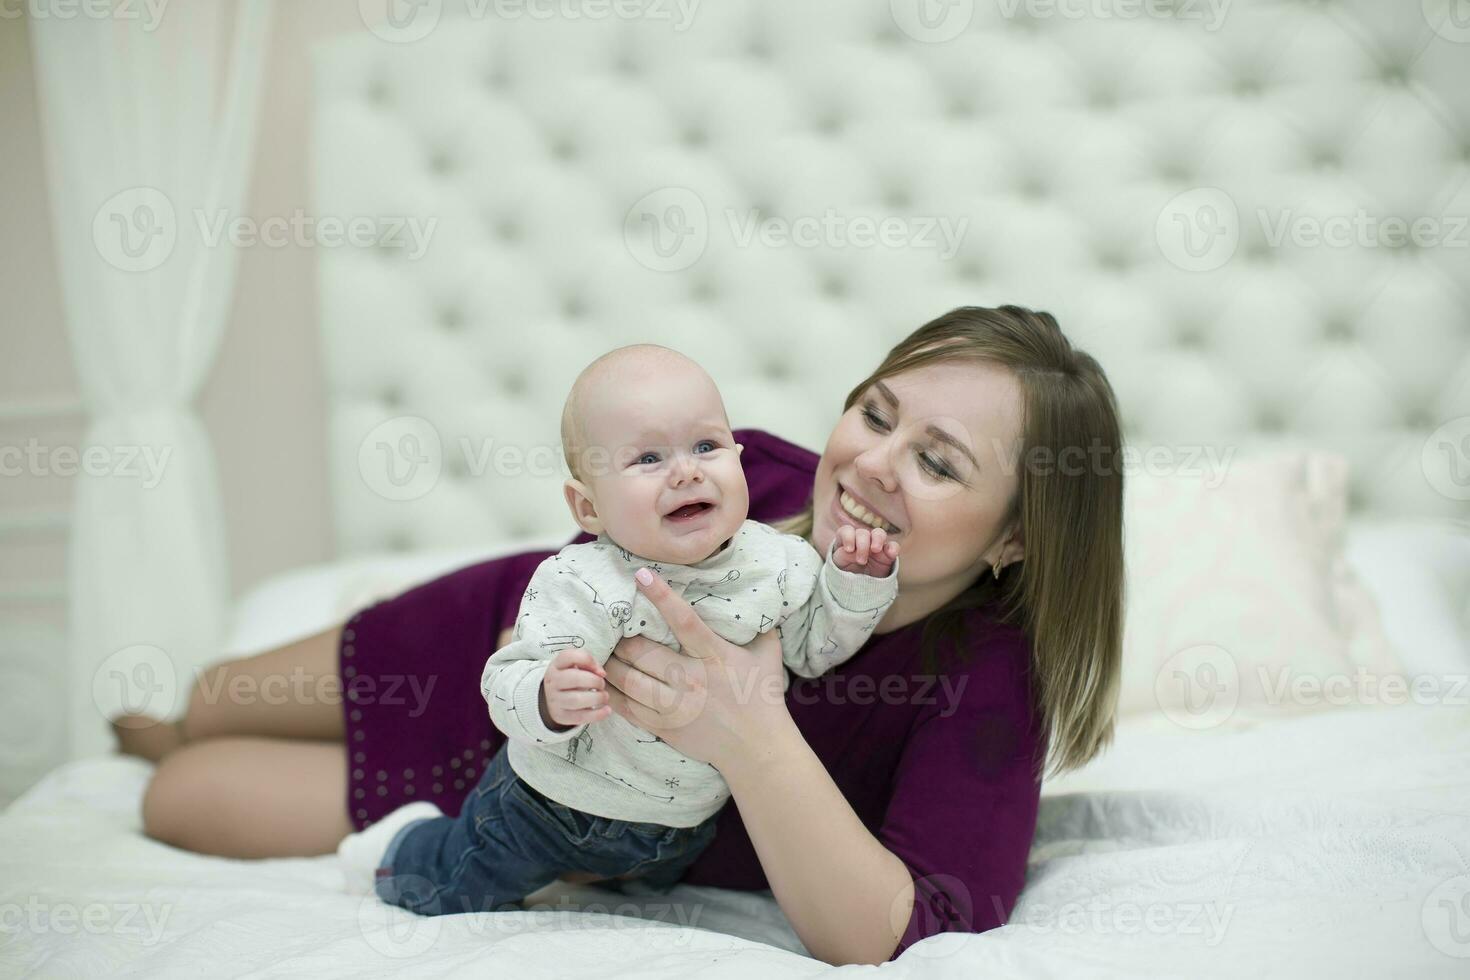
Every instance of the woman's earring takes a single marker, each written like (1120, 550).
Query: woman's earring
(995, 569)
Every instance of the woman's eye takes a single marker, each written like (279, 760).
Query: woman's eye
(928, 462)
(935, 467)
(874, 420)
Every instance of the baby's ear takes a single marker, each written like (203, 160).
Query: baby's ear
(579, 502)
(739, 449)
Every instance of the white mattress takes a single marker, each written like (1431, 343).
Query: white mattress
(1332, 845)
(1328, 846)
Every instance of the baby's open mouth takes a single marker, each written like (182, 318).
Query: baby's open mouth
(689, 511)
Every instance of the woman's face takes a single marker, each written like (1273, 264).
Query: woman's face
(934, 453)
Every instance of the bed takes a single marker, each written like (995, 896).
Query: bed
(1331, 844)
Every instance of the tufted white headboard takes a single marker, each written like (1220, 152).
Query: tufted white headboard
(784, 189)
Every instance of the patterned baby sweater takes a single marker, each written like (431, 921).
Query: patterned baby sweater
(585, 597)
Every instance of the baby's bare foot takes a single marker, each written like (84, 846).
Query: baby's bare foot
(145, 736)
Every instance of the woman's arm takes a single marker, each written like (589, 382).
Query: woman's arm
(848, 897)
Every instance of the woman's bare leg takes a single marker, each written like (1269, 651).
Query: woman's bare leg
(294, 691)
(250, 798)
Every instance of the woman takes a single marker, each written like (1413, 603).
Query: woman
(889, 800)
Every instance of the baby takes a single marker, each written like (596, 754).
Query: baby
(656, 476)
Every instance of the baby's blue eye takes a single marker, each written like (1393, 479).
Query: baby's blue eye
(653, 457)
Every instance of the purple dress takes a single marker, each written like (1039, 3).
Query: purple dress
(941, 768)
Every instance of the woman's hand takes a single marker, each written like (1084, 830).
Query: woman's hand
(711, 700)
(726, 705)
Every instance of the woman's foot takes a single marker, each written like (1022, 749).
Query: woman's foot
(146, 737)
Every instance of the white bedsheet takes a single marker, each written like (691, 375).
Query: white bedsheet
(1336, 845)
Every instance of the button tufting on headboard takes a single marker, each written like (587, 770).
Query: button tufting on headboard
(1163, 184)
(507, 229)
(497, 78)
(1337, 328)
(450, 318)
(834, 286)
(1191, 335)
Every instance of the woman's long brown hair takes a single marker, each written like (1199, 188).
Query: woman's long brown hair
(1067, 592)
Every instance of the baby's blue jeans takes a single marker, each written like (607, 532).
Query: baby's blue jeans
(509, 840)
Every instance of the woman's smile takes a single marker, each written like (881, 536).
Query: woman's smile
(841, 515)
(856, 507)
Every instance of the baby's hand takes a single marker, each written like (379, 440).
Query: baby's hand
(573, 691)
(865, 550)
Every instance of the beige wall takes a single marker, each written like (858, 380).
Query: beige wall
(37, 401)
(263, 404)
(35, 369)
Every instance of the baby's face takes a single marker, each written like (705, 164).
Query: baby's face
(665, 476)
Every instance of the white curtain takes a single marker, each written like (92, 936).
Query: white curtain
(148, 125)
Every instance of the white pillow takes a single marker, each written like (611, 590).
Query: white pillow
(1420, 571)
(1239, 595)
(296, 604)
